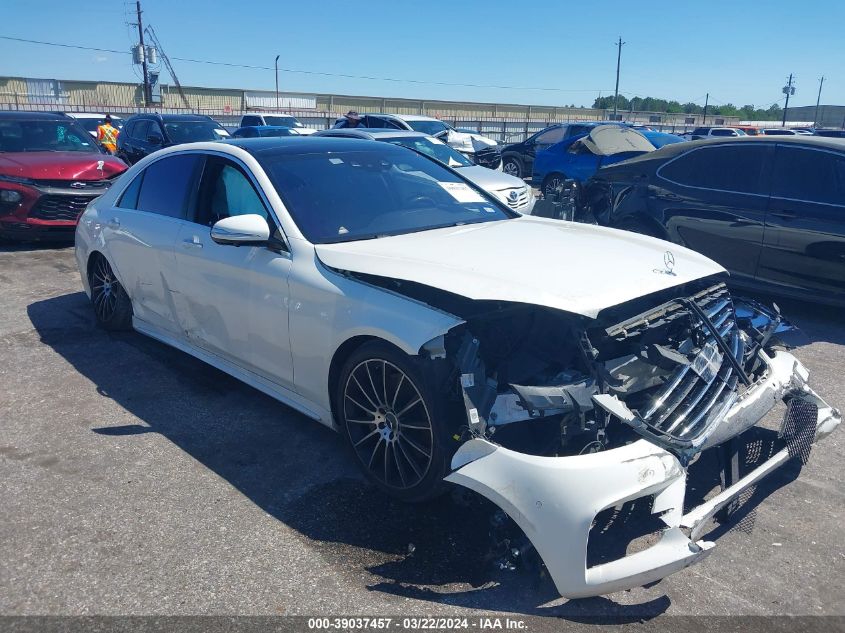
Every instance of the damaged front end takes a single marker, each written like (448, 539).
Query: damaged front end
(568, 416)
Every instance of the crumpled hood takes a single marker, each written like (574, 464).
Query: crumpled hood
(467, 142)
(579, 268)
(60, 165)
(607, 140)
(490, 179)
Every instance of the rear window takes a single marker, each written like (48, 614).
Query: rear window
(167, 185)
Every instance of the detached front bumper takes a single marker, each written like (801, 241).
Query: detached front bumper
(555, 500)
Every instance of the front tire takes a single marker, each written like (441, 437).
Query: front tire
(512, 166)
(112, 305)
(394, 422)
(551, 184)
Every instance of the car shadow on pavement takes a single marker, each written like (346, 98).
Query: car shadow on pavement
(301, 473)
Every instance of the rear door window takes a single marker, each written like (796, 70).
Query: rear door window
(808, 174)
(736, 168)
(250, 120)
(168, 184)
(129, 198)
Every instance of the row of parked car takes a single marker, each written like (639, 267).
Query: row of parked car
(769, 208)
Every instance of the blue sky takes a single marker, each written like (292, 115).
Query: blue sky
(677, 49)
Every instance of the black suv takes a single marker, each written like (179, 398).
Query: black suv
(143, 134)
(769, 209)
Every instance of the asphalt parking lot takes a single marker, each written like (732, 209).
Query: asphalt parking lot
(134, 479)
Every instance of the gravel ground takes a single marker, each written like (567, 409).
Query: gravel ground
(134, 479)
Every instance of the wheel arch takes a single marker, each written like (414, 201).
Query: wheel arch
(339, 358)
(640, 218)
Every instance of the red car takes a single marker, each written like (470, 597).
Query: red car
(50, 169)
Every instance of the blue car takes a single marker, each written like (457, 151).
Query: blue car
(579, 157)
(254, 131)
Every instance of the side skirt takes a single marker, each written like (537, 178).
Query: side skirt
(282, 394)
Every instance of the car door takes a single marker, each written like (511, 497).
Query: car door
(136, 148)
(713, 200)
(542, 141)
(233, 300)
(804, 242)
(140, 233)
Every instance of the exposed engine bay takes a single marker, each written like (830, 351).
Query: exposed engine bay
(548, 383)
(569, 417)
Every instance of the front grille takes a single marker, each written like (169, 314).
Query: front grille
(93, 186)
(59, 207)
(696, 395)
(520, 201)
(489, 157)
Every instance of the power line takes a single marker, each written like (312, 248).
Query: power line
(305, 72)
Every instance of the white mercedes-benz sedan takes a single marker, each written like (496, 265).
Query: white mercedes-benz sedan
(561, 370)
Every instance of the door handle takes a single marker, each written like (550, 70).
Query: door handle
(192, 243)
(785, 215)
(114, 223)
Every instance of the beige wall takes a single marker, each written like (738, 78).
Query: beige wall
(80, 95)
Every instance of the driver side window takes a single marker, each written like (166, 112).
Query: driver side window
(226, 191)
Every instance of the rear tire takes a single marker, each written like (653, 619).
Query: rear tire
(112, 306)
(394, 422)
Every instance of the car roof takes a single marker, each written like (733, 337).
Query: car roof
(21, 115)
(675, 149)
(312, 144)
(171, 117)
(265, 127)
(92, 115)
(372, 133)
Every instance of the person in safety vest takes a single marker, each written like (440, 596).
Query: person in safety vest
(107, 135)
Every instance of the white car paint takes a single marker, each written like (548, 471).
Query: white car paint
(468, 260)
(555, 499)
(274, 319)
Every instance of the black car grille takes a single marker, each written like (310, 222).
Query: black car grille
(489, 157)
(59, 207)
(698, 394)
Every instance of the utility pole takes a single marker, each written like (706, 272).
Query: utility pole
(618, 64)
(788, 90)
(147, 95)
(706, 101)
(818, 101)
(277, 83)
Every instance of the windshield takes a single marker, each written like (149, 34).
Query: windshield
(428, 127)
(44, 136)
(192, 131)
(363, 194)
(279, 131)
(286, 121)
(435, 148)
(92, 124)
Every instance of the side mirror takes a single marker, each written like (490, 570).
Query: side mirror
(241, 230)
(155, 139)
